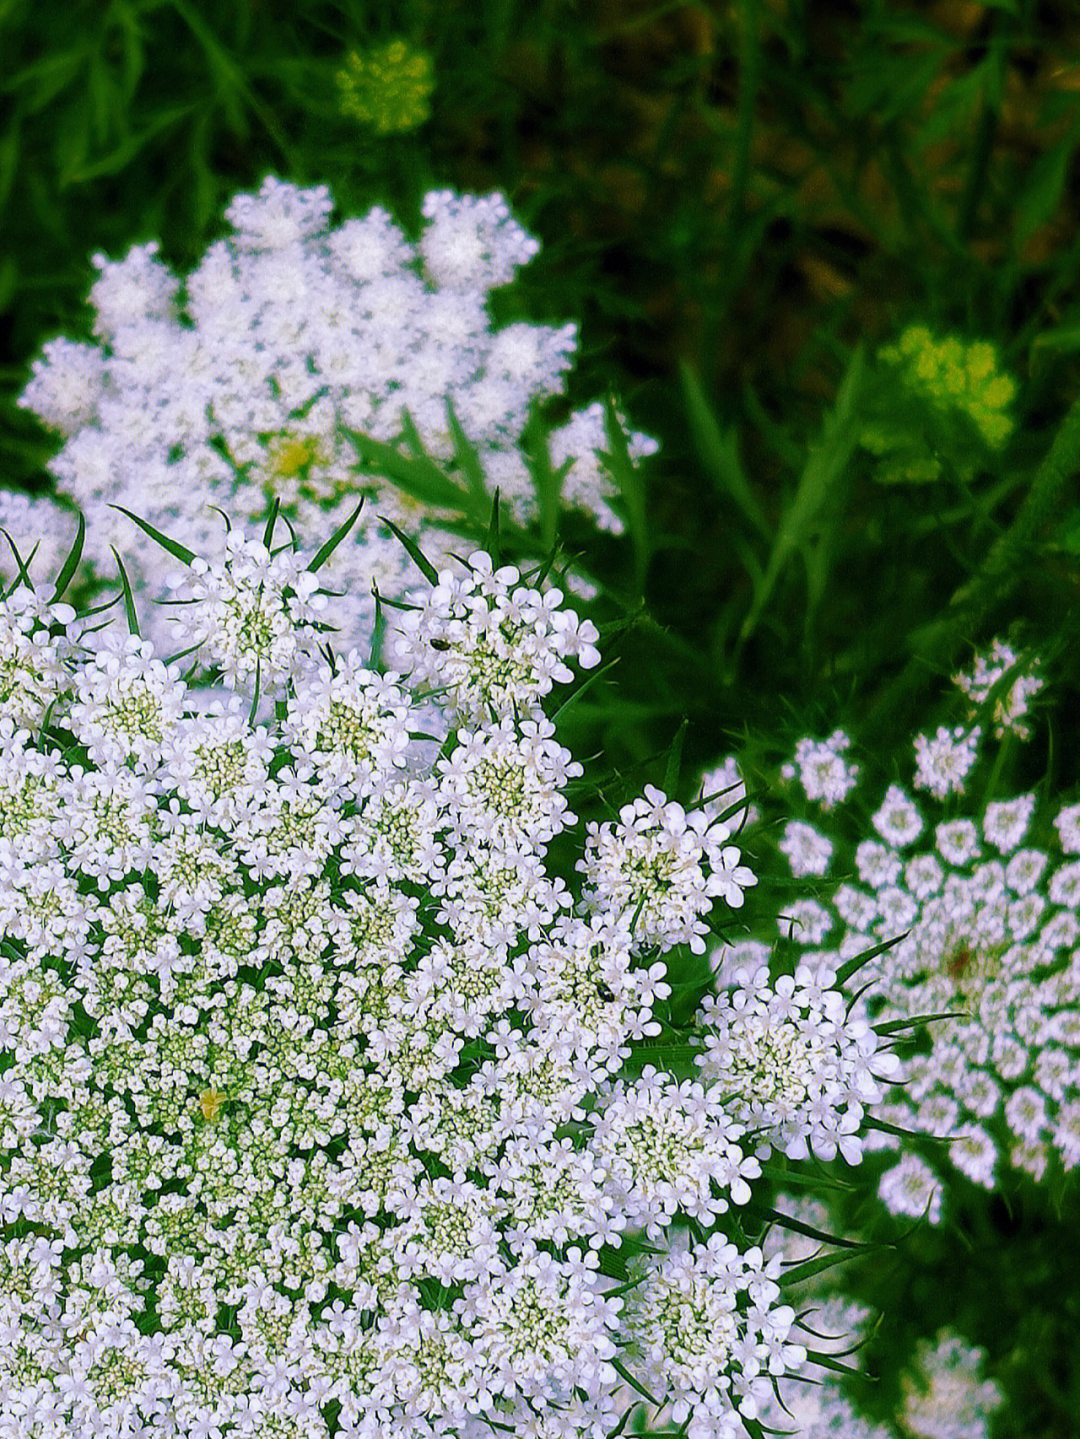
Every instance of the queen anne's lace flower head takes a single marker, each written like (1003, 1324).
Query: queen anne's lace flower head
(821, 769)
(320, 1101)
(983, 924)
(32, 650)
(268, 371)
(947, 1397)
(710, 1337)
(487, 643)
(798, 1066)
(944, 760)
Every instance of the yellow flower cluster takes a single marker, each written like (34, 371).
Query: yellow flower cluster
(387, 88)
(953, 375)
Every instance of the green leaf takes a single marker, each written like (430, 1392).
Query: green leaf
(807, 1270)
(71, 564)
(271, 521)
(826, 1361)
(1043, 189)
(872, 1122)
(821, 477)
(894, 1026)
(467, 458)
(129, 598)
(493, 543)
(323, 554)
(796, 1176)
(423, 564)
(253, 712)
(174, 547)
(856, 962)
(631, 486)
(1063, 337)
(584, 688)
(719, 451)
(797, 1226)
(378, 629)
(23, 576)
(624, 1373)
(547, 480)
(9, 160)
(674, 760)
(418, 475)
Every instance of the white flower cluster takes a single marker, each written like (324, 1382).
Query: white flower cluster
(660, 869)
(799, 1068)
(722, 789)
(821, 769)
(39, 531)
(711, 1337)
(944, 760)
(314, 1103)
(821, 1410)
(990, 933)
(489, 644)
(251, 378)
(946, 1397)
(987, 673)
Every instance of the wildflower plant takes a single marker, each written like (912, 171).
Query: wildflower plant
(946, 1397)
(967, 908)
(310, 365)
(943, 403)
(330, 1103)
(387, 88)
